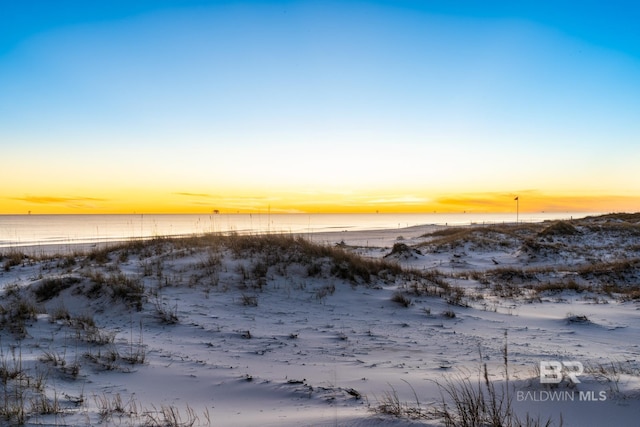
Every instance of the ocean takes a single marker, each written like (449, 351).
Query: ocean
(33, 230)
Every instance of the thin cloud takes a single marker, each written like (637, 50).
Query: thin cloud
(471, 201)
(51, 200)
(224, 198)
(399, 200)
(489, 200)
(533, 200)
(204, 195)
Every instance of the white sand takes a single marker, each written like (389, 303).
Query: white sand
(294, 358)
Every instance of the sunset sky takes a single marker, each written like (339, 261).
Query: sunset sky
(318, 106)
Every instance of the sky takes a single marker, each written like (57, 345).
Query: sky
(191, 106)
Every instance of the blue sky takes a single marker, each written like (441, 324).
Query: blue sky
(308, 106)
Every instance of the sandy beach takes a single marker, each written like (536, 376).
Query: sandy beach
(384, 327)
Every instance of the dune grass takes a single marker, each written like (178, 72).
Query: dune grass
(466, 402)
(132, 276)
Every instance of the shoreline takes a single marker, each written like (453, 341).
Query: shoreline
(34, 232)
(350, 235)
(372, 237)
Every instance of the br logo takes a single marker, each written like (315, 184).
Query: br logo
(553, 372)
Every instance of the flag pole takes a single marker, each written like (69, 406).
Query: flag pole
(517, 199)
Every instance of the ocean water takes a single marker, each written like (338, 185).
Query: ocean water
(30, 230)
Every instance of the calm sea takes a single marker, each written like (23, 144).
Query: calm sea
(29, 230)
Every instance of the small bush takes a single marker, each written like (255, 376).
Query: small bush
(98, 336)
(51, 288)
(105, 360)
(59, 313)
(167, 315)
(15, 315)
(625, 293)
(127, 289)
(390, 404)
(100, 256)
(249, 300)
(449, 314)
(571, 285)
(325, 291)
(560, 228)
(171, 416)
(400, 298)
(13, 259)
(455, 296)
(137, 353)
(314, 269)
(577, 318)
(260, 270)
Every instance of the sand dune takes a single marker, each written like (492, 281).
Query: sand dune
(349, 328)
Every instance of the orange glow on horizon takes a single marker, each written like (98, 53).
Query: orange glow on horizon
(204, 203)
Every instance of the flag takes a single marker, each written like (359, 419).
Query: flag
(516, 198)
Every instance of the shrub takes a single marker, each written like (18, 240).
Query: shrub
(100, 256)
(249, 300)
(127, 289)
(571, 285)
(456, 296)
(560, 228)
(16, 313)
(260, 270)
(137, 354)
(166, 314)
(390, 404)
(14, 258)
(625, 293)
(449, 314)
(325, 291)
(400, 298)
(577, 318)
(51, 288)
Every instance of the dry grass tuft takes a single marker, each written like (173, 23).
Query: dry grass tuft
(51, 288)
(559, 228)
(13, 258)
(402, 299)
